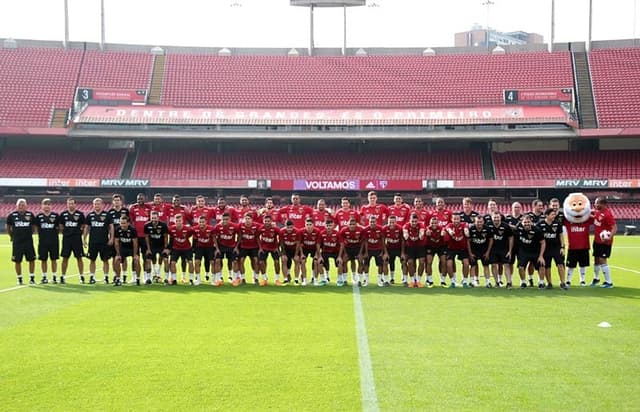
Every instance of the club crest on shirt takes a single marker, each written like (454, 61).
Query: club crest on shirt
(101, 217)
(75, 217)
(52, 219)
(27, 217)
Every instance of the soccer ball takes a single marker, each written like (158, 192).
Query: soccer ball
(605, 235)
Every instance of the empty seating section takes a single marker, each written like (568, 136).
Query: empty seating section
(357, 82)
(121, 70)
(61, 163)
(33, 81)
(616, 86)
(571, 165)
(330, 165)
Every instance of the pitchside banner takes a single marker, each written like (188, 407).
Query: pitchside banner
(346, 185)
(582, 183)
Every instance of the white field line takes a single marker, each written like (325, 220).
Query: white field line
(367, 384)
(625, 269)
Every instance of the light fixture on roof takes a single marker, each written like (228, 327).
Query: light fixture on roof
(224, 52)
(293, 52)
(361, 52)
(428, 52)
(9, 44)
(498, 50)
(157, 51)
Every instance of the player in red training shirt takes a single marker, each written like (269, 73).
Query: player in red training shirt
(179, 235)
(455, 235)
(436, 246)
(344, 214)
(400, 210)
(379, 211)
(269, 209)
(605, 230)
(268, 244)
(247, 247)
(296, 212)
(222, 208)
(225, 235)
(329, 248)
(444, 218)
(245, 209)
(140, 215)
(414, 245)
(320, 215)
(198, 211)
(373, 247)
(350, 245)
(310, 248)
(158, 205)
(395, 248)
(203, 246)
(289, 247)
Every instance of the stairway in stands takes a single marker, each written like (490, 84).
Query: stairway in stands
(157, 79)
(584, 89)
(59, 118)
(129, 163)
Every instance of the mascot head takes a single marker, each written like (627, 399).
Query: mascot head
(577, 208)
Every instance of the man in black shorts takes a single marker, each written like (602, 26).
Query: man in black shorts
(48, 226)
(395, 247)
(502, 250)
(20, 226)
(126, 245)
(72, 222)
(156, 237)
(554, 246)
(99, 230)
(118, 210)
(479, 245)
(531, 247)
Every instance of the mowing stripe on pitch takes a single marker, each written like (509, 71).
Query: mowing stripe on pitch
(367, 384)
(625, 269)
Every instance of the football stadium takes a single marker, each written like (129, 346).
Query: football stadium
(318, 228)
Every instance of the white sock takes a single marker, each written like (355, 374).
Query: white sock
(453, 278)
(583, 273)
(596, 271)
(173, 276)
(607, 273)
(91, 275)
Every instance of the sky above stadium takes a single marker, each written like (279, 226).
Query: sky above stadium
(273, 23)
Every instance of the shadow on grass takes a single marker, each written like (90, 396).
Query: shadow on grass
(372, 289)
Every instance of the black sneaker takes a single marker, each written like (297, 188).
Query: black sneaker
(328, 279)
(54, 281)
(359, 283)
(138, 282)
(523, 285)
(564, 286)
(296, 281)
(509, 285)
(116, 282)
(443, 284)
(256, 282)
(595, 282)
(206, 278)
(540, 285)
(166, 282)
(230, 279)
(62, 281)
(568, 283)
(124, 279)
(191, 282)
(286, 280)
(387, 284)
(20, 281)
(488, 286)
(147, 282)
(500, 284)
(429, 284)
(106, 280)
(549, 286)
(44, 281)
(392, 281)
(82, 279)
(92, 281)
(530, 283)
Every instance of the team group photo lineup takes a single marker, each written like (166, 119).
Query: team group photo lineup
(155, 241)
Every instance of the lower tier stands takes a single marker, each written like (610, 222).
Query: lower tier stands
(63, 163)
(567, 165)
(323, 165)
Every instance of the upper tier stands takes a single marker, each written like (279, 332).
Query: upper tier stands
(572, 165)
(357, 82)
(616, 86)
(33, 81)
(323, 165)
(61, 163)
(110, 69)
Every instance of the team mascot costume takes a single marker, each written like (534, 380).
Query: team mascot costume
(578, 219)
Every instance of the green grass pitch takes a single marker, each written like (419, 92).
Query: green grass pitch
(82, 347)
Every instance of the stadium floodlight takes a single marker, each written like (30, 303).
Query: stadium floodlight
(327, 3)
(488, 3)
